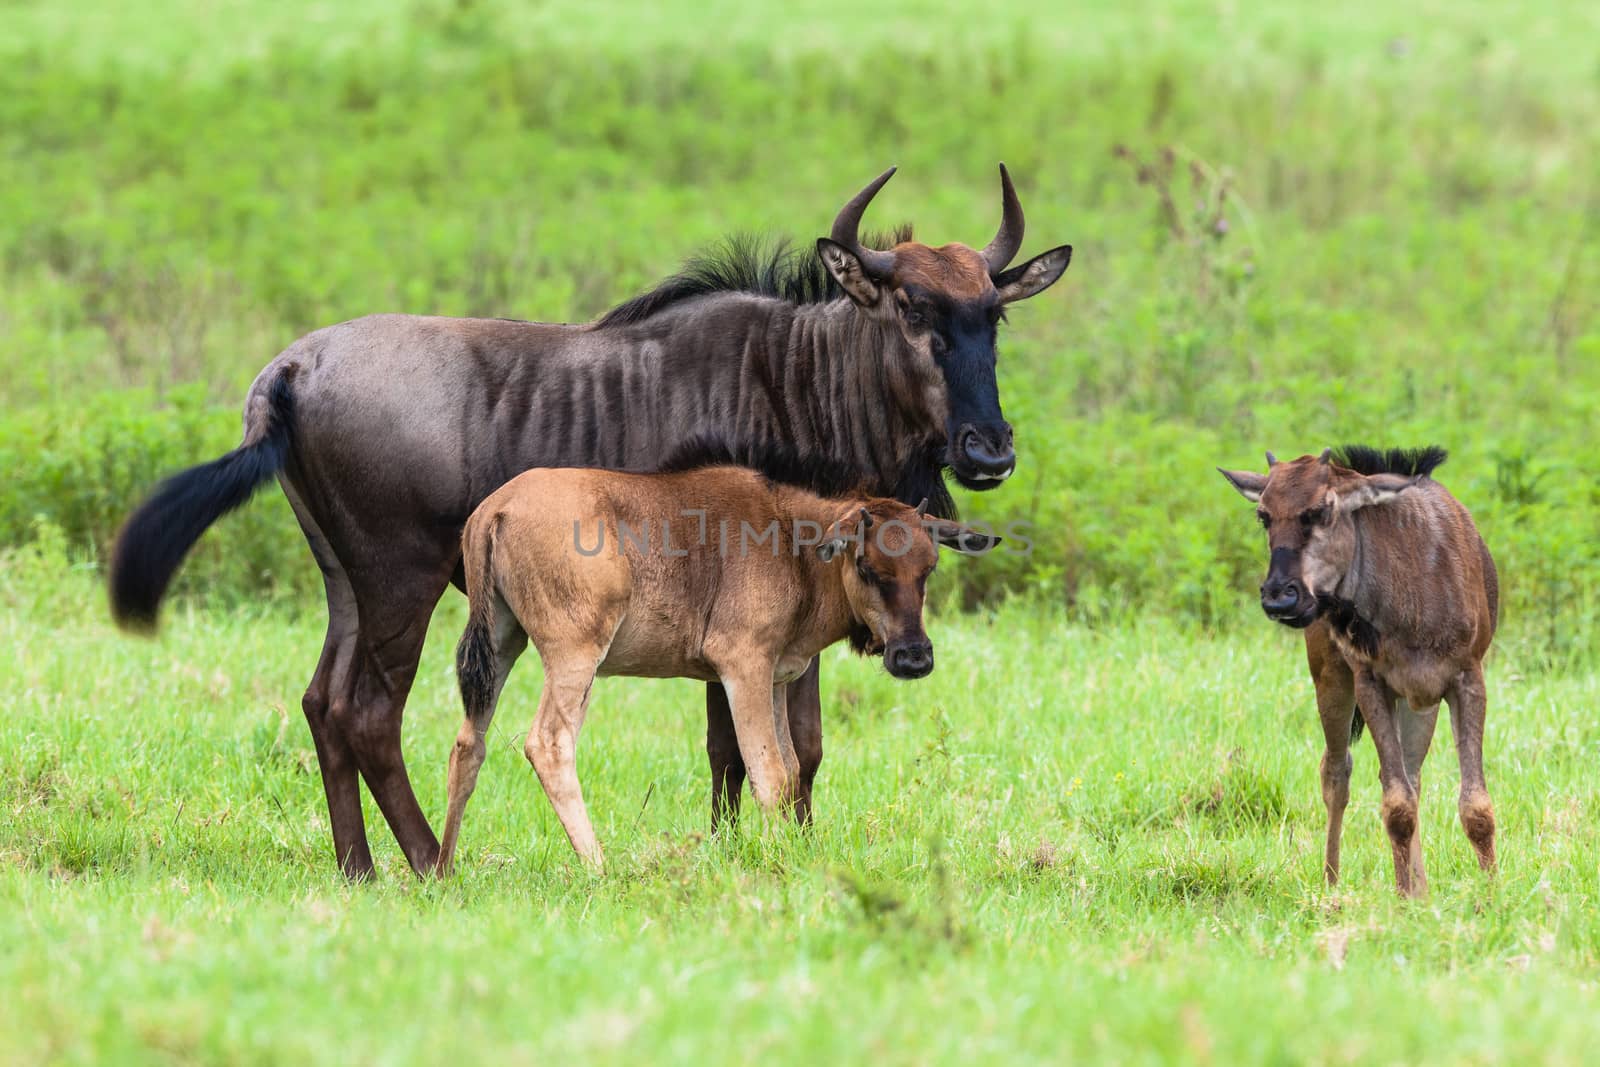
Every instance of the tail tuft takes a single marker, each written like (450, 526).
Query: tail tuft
(160, 533)
(475, 654)
(475, 668)
(1357, 724)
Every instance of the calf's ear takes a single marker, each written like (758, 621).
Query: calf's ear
(828, 549)
(1249, 483)
(963, 539)
(1374, 489)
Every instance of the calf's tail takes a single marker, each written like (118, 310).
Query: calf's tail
(476, 654)
(157, 536)
(1357, 724)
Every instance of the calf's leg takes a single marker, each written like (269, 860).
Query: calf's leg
(1468, 700)
(1399, 794)
(1416, 735)
(488, 650)
(552, 744)
(773, 779)
(803, 723)
(1336, 704)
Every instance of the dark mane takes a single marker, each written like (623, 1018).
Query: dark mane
(1414, 462)
(746, 264)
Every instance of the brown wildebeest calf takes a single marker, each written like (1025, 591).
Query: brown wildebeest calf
(1399, 598)
(718, 573)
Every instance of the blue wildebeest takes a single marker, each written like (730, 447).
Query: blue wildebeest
(1399, 598)
(600, 571)
(386, 432)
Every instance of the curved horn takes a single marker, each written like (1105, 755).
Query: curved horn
(1327, 454)
(848, 222)
(866, 518)
(1272, 461)
(1008, 240)
(922, 508)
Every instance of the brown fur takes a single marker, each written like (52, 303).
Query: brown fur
(385, 432)
(1398, 597)
(953, 269)
(750, 615)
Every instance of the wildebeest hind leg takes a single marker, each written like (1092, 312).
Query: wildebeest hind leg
(722, 750)
(395, 611)
(335, 759)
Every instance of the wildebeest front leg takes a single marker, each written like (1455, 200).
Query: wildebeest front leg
(1416, 735)
(722, 749)
(1469, 701)
(1399, 795)
(804, 700)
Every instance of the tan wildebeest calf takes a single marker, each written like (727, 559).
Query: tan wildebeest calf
(1399, 598)
(717, 573)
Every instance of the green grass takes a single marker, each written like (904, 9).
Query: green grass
(1067, 843)
(1095, 832)
(1412, 249)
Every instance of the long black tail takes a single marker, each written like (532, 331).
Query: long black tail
(1357, 724)
(475, 654)
(160, 533)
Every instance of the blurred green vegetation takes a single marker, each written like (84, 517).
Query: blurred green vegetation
(1294, 227)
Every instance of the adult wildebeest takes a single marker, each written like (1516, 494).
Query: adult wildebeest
(605, 573)
(1399, 599)
(386, 432)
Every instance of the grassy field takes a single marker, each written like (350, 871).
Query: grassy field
(1065, 844)
(1095, 832)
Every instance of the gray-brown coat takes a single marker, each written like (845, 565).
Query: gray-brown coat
(1399, 598)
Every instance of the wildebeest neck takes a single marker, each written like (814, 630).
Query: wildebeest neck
(824, 379)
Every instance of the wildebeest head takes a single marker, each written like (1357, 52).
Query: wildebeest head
(888, 550)
(1307, 507)
(947, 303)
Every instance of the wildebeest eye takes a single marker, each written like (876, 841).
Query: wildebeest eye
(916, 317)
(1264, 519)
(865, 573)
(1314, 516)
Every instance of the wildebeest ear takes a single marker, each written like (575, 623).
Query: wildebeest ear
(828, 549)
(1034, 276)
(1249, 483)
(847, 270)
(963, 539)
(1374, 489)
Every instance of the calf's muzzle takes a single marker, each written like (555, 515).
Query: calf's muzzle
(911, 658)
(1283, 597)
